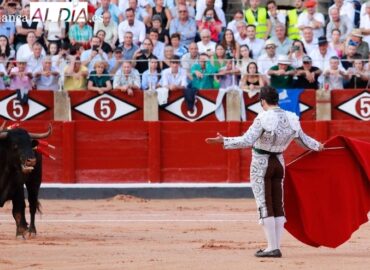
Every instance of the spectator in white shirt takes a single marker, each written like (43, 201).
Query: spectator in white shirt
(275, 17)
(184, 25)
(255, 44)
(312, 18)
(205, 45)
(35, 60)
(340, 22)
(321, 57)
(310, 43)
(158, 46)
(25, 51)
(268, 59)
(134, 26)
(345, 9)
(365, 23)
(110, 28)
(47, 76)
(174, 77)
(91, 56)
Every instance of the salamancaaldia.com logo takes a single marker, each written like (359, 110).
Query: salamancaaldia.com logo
(74, 11)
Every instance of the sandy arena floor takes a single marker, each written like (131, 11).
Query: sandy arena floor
(131, 233)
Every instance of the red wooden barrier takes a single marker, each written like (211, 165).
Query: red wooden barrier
(168, 151)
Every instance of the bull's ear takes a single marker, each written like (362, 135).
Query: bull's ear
(34, 143)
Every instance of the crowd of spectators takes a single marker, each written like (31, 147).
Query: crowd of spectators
(187, 45)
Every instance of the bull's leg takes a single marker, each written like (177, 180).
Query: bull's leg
(33, 192)
(19, 212)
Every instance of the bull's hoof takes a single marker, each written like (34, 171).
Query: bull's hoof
(21, 232)
(31, 232)
(20, 236)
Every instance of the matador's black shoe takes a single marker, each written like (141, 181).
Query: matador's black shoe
(276, 253)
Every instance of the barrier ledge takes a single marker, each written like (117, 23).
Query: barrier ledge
(147, 191)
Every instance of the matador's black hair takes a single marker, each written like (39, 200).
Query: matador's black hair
(270, 95)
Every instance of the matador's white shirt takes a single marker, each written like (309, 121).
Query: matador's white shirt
(272, 131)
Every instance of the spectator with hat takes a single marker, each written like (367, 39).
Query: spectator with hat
(308, 75)
(21, 76)
(269, 58)
(282, 74)
(312, 18)
(321, 57)
(362, 46)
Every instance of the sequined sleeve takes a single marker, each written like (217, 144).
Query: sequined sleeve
(247, 139)
(306, 141)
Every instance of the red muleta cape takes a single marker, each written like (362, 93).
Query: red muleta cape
(327, 194)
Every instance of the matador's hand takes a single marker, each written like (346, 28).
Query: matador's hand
(218, 139)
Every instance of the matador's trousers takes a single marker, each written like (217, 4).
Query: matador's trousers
(266, 174)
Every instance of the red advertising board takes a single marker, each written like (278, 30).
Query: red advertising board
(350, 104)
(39, 105)
(110, 106)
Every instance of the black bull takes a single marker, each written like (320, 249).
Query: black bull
(20, 165)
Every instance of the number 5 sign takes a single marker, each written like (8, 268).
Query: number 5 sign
(104, 107)
(12, 109)
(358, 106)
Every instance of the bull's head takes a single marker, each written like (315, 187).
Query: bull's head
(20, 144)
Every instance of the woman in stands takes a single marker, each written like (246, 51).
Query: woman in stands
(252, 80)
(6, 51)
(245, 59)
(211, 22)
(99, 79)
(163, 34)
(218, 60)
(163, 12)
(230, 45)
(335, 43)
(296, 53)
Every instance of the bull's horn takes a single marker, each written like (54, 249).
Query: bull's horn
(3, 135)
(2, 126)
(41, 135)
